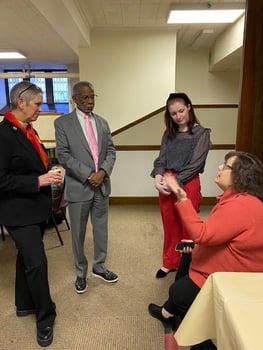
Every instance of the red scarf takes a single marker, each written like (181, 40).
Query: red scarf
(31, 136)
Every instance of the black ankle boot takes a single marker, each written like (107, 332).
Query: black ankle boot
(156, 312)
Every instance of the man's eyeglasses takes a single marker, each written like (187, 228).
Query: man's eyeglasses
(226, 166)
(28, 88)
(87, 97)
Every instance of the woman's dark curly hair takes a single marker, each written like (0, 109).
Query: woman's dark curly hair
(171, 126)
(247, 173)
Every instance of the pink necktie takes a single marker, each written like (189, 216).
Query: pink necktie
(92, 140)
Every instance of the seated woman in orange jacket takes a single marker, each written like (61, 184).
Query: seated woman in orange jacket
(229, 240)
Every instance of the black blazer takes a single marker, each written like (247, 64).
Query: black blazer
(21, 202)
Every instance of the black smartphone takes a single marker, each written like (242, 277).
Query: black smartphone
(181, 245)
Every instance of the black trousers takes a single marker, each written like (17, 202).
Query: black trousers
(182, 293)
(31, 284)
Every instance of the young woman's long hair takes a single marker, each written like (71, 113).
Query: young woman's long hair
(171, 127)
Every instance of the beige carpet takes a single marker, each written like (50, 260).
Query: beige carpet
(107, 316)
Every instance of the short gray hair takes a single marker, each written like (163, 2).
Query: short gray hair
(23, 89)
(79, 85)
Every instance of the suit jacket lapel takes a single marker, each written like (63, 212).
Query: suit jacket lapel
(99, 131)
(26, 144)
(79, 132)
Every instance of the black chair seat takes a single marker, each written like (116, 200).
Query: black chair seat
(59, 208)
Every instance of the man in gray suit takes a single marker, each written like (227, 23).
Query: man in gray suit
(87, 180)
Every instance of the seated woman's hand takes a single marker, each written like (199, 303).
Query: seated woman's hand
(173, 185)
(187, 249)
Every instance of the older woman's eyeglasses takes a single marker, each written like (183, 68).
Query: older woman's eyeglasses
(27, 88)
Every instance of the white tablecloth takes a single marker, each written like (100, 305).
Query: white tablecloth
(228, 310)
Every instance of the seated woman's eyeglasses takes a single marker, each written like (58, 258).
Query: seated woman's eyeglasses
(225, 166)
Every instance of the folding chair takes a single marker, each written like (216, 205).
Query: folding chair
(2, 232)
(59, 207)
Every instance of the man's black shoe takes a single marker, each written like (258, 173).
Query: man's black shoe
(107, 276)
(45, 336)
(25, 312)
(81, 285)
(156, 312)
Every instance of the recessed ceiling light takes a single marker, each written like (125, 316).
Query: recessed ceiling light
(194, 13)
(11, 55)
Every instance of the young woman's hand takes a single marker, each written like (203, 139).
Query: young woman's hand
(161, 185)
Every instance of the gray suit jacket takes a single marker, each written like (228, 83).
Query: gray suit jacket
(75, 156)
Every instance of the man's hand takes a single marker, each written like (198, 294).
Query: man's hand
(96, 179)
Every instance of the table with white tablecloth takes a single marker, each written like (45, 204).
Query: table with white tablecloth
(228, 310)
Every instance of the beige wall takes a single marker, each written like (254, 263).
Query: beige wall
(193, 77)
(133, 72)
(45, 128)
(131, 174)
(221, 121)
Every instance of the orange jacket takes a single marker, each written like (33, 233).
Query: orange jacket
(229, 240)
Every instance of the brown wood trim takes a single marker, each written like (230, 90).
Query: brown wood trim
(138, 121)
(250, 121)
(162, 109)
(157, 147)
(137, 147)
(209, 201)
(229, 105)
(224, 146)
(154, 147)
(133, 200)
(51, 113)
(41, 113)
(151, 200)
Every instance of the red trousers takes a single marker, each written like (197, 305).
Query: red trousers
(174, 230)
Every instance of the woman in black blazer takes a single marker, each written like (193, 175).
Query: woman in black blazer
(25, 205)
